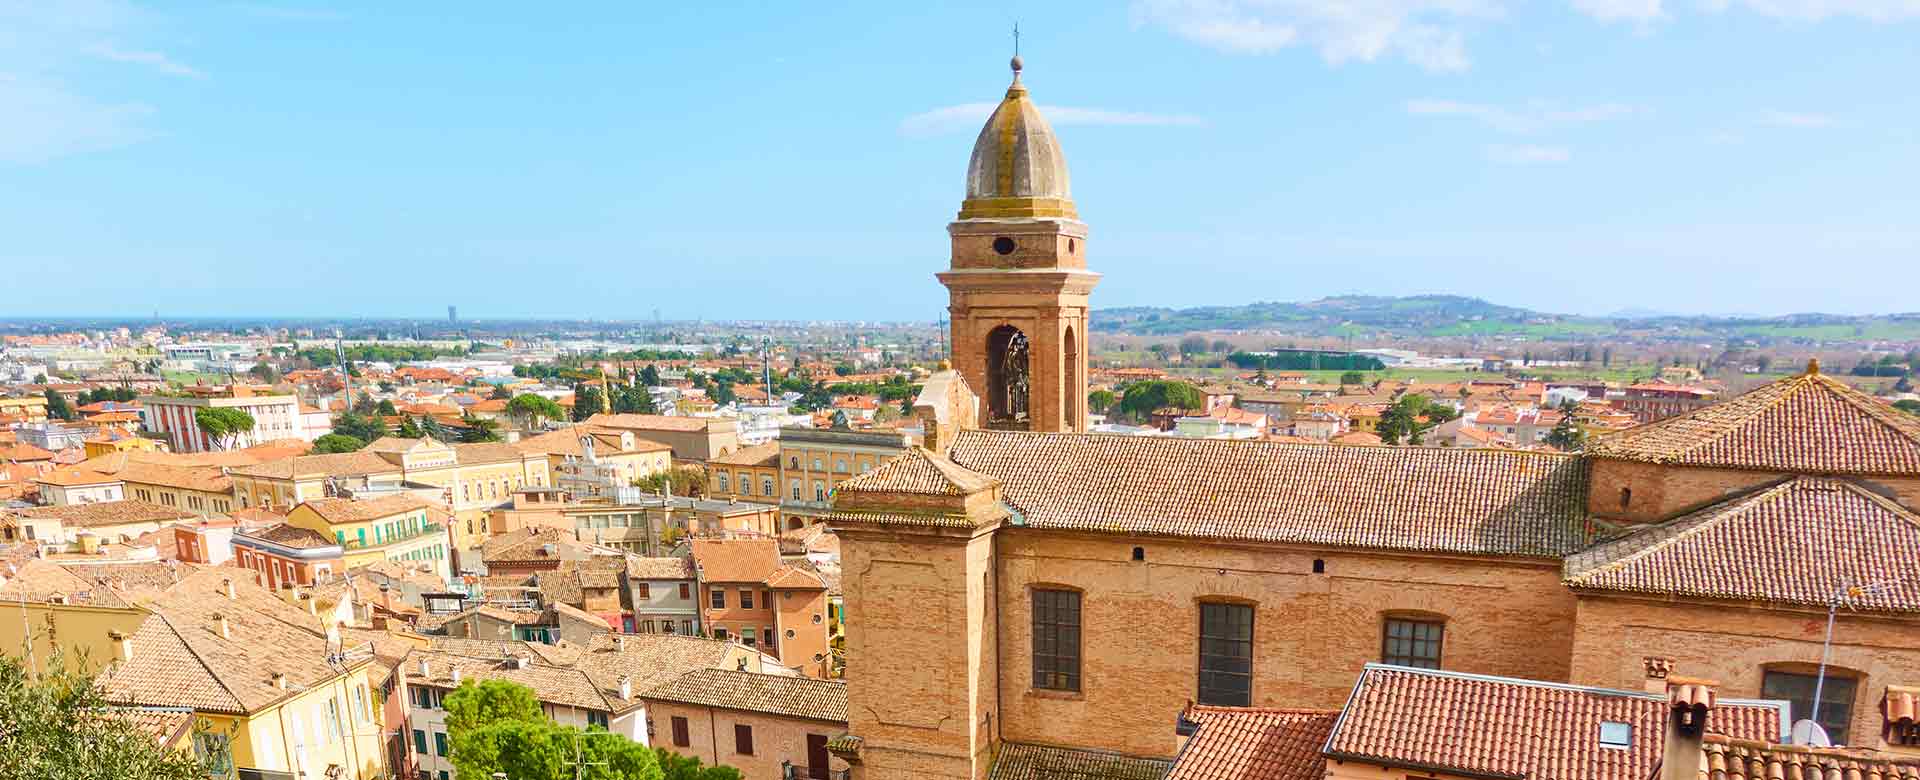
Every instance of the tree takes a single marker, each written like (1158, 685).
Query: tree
(531, 409)
(587, 402)
(500, 392)
(333, 442)
(679, 481)
(264, 372)
(1099, 401)
(479, 703)
(650, 376)
(1353, 378)
(1909, 406)
(497, 727)
(1142, 399)
(222, 424)
(385, 408)
(409, 429)
(359, 426)
(674, 766)
(56, 726)
(57, 406)
(1193, 345)
(1566, 434)
(478, 429)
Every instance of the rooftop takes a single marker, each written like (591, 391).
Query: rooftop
(350, 510)
(788, 696)
(1022, 761)
(104, 514)
(1254, 743)
(736, 560)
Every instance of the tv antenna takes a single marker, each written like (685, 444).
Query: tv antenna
(1809, 728)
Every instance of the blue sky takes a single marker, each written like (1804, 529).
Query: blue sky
(788, 161)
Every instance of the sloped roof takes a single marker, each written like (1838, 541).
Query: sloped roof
(1505, 727)
(1740, 759)
(771, 694)
(920, 472)
(527, 544)
(669, 568)
(650, 422)
(1410, 498)
(647, 660)
(1022, 761)
(1254, 743)
(339, 464)
(767, 454)
(1810, 424)
(104, 513)
(554, 684)
(736, 560)
(1801, 541)
(350, 510)
(293, 536)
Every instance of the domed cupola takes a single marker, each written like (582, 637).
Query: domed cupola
(1017, 169)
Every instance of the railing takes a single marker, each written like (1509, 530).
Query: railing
(355, 543)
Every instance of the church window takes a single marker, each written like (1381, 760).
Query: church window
(1413, 643)
(1226, 654)
(1004, 245)
(1056, 640)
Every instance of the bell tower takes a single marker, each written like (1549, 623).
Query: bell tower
(1018, 282)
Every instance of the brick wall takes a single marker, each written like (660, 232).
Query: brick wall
(1736, 644)
(1659, 492)
(1312, 632)
(803, 614)
(710, 733)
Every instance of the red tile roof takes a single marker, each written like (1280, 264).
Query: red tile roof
(1810, 424)
(1451, 500)
(1253, 743)
(921, 472)
(1021, 761)
(736, 560)
(1504, 727)
(1802, 541)
(1738, 759)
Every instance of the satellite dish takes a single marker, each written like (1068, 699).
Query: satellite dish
(1809, 734)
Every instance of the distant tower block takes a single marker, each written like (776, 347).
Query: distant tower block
(1019, 282)
(453, 315)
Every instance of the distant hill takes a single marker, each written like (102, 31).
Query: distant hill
(1459, 316)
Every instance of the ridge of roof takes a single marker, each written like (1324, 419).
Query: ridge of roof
(920, 471)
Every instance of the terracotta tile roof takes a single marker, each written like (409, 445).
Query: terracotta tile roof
(647, 660)
(552, 684)
(1453, 500)
(527, 544)
(796, 576)
(23, 451)
(736, 560)
(1739, 759)
(1504, 727)
(351, 510)
(566, 441)
(1801, 541)
(340, 464)
(291, 536)
(1251, 743)
(1810, 424)
(39, 581)
(921, 472)
(757, 455)
(1021, 761)
(488, 452)
(897, 518)
(164, 724)
(74, 476)
(206, 479)
(771, 694)
(104, 513)
(650, 422)
(181, 659)
(641, 568)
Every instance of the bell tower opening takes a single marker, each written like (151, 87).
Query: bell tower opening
(1009, 378)
(1075, 394)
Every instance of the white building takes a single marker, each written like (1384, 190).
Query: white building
(274, 417)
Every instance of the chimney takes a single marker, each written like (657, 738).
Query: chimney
(122, 645)
(1657, 671)
(280, 680)
(455, 672)
(619, 643)
(626, 687)
(424, 671)
(313, 604)
(1689, 701)
(288, 594)
(220, 625)
(226, 586)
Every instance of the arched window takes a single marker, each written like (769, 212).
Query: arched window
(1007, 375)
(1626, 497)
(1075, 396)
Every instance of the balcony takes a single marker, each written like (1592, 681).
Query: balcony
(355, 543)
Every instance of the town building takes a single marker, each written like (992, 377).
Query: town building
(1658, 400)
(749, 474)
(106, 522)
(390, 528)
(288, 554)
(274, 417)
(693, 439)
(749, 595)
(763, 725)
(620, 456)
(814, 460)
(665, 596)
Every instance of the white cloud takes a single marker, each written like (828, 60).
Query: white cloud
(969, 116)
(152, 59)
(1528, 154)
(1622, 10)
(40, 121)
(1426, 33)
(1530, 118)
(1816, 10)
(1800, 120)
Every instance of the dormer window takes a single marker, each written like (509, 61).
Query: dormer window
(1615, 734)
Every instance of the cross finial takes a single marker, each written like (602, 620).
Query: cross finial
(1016, 51)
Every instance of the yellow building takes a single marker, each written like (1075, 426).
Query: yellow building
(268, 685)
(621, 452)
(474, 478)
(110, 443)
(751, 474)
(397, 527)
(33, 408)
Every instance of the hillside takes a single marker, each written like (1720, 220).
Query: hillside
(1441, 316)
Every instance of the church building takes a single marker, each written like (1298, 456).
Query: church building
(1021, 592)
